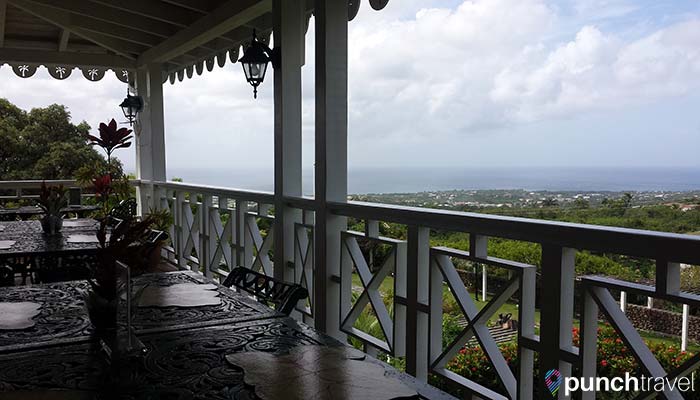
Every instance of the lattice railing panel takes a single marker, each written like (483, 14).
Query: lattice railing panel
(393, 329)
(443, 271)
(304, 264)
(597, 298)
(216, 231)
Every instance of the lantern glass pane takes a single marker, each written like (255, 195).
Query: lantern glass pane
(262, 68)
(246, 71)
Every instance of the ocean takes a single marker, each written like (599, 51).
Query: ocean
(413, 180)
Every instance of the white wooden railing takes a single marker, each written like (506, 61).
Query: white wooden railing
(216, 229)
(14, 191)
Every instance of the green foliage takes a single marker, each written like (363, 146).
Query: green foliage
(52, 199)
(162, 219)
(41, 143)
(690, 278)
(450, 328)
(581, 203)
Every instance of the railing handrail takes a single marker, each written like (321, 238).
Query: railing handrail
(30, 184)
(231, 193)
(673, 247)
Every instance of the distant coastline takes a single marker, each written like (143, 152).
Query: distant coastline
(415, 180)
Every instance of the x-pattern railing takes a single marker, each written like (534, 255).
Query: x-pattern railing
(215, 230)
(261, 245)
(352, 258)
(304, 264)
(598, 298)
(523, 280)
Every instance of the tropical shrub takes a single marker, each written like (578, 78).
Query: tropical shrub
(614, 359)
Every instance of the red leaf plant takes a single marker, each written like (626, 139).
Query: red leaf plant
(111, 138)
(103, 186)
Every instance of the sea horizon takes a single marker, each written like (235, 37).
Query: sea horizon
(377, 180)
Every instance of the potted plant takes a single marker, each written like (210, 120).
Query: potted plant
(162, 220)
(108, 180)
(102, 299)
(52, 200)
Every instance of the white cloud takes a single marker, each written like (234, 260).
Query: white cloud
(425, 72)
(596, 71)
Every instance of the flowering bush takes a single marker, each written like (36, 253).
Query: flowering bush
(614, 359)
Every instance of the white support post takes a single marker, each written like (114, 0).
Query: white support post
(289, 34)
(684, 332)
(484, 283)
(650, 302)
(331, 18)
(623, 301)
(417, 337)
(149, 134)
(589, 341)
(205, 237)
(478, 247)
(557, 310)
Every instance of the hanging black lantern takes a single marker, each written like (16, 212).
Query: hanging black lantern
(254, 62)
(131, 106)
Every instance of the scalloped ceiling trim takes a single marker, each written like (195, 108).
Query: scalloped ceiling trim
(61, 72)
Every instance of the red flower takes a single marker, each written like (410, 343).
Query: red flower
(111, 138)
(604, 363)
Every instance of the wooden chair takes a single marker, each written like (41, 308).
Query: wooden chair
(125, 210)
(7, 276)
(267, 290)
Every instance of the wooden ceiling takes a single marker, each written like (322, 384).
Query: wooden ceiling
(183, 35)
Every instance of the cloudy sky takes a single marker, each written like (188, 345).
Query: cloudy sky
(455, 83)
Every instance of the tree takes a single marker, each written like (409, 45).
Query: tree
(42, 143)
(550, 202)
(581, 203)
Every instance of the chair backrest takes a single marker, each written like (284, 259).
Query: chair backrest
(125, 210)
(75, 196)
(267, 289)
(7, 276)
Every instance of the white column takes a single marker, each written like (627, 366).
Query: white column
(331, 17)
(150, 133)
(650, 302)
(289, 35)
(684, 332)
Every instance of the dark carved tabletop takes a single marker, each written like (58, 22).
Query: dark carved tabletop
(63, 318)
(28, 211)
(185, 364)
(178, 365)
(30, 239)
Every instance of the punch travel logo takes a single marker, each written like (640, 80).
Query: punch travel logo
(553, 381)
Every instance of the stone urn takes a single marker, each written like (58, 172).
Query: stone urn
(51, 224)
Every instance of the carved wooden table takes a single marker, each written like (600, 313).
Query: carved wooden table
(186, 348)
(63, 318)
(21, 242)
(26, 238)
(26, 212)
